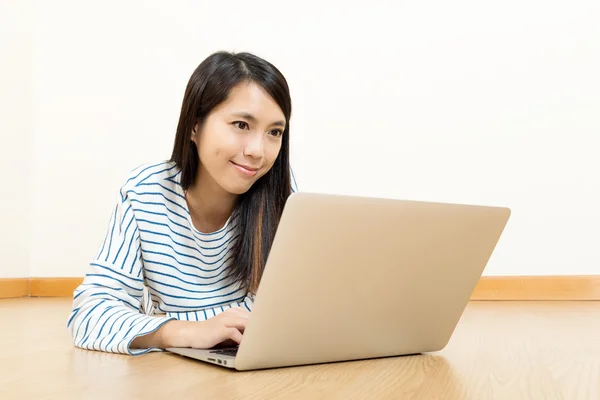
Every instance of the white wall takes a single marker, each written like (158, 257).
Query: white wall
(15, 137)
(457, 101)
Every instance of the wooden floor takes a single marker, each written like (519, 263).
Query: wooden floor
(500, 350)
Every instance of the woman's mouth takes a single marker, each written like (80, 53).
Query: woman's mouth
(246, 170)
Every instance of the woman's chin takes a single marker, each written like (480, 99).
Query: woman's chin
(238, 189)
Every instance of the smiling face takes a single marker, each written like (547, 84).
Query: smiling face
(240, 139)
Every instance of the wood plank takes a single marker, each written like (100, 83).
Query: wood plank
(14, 287)
(53, 287)
(499, 350)
(538, 288)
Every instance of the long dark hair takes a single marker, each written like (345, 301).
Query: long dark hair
(259, 209)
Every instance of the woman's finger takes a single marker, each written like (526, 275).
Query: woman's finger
(235, 322)
(235, 335)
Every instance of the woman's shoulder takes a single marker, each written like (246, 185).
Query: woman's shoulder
(162, 175)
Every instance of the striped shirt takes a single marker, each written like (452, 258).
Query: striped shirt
(153, 266)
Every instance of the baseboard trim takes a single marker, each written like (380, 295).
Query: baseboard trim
(53, 287)
(14, 287)
(489, 288)
(567, 288)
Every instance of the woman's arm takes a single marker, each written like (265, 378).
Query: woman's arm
(106, 306)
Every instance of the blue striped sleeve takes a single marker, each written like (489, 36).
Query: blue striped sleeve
(107, 307)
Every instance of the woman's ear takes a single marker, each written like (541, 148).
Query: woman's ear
(194, 134)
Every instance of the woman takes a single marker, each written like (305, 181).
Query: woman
(188, 238)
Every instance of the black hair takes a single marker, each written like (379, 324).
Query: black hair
(260, 208)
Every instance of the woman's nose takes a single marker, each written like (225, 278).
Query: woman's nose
(254, 146)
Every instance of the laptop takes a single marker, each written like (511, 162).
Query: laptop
(352, 278)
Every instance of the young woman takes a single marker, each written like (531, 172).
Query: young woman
(188, 238)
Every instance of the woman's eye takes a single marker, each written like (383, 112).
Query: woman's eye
(276, 132)
(241, 124)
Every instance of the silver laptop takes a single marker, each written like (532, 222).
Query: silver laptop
(351, 278)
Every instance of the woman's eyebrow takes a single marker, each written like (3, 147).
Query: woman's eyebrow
(253, 119)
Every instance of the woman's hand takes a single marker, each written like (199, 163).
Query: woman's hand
(228, 326)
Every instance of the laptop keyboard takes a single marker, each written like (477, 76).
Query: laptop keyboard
(226, 352)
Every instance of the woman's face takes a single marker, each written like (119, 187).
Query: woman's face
(240, 140)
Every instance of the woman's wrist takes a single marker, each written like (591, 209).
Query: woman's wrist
(164, 334)
(173, 334)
